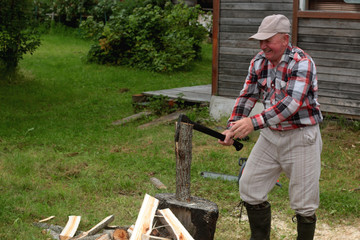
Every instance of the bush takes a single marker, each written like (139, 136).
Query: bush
(152, 34)
(17, 33)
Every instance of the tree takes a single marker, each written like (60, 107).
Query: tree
(18, 34)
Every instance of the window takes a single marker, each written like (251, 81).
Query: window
(330, 5)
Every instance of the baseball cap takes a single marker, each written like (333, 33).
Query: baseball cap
(272, 25)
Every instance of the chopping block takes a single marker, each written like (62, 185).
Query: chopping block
(198, 216)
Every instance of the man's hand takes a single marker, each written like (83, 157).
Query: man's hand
(240, 129)
(228, 141)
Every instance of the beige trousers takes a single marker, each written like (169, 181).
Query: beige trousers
(295, 152)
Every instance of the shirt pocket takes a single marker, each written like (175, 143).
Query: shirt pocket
(280, 89)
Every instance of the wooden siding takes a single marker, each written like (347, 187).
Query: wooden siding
(334, 44)
(331, 38)
(238, 20)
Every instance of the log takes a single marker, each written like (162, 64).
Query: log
(157, 183)
(183, 148)
(199, 216)
(144, 222)
(104, 237)
(173, 225)
(148, 237)
(70, 228)
(120, 234)
(131, 118)
(163, 119)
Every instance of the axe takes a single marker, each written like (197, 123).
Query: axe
(185, 119)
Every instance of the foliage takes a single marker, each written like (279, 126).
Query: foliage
(152, 35)
(17, 34)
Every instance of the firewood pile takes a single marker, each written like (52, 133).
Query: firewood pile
(151, 224)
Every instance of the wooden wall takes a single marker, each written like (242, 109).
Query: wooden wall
(334, 44)
(238, 20)
(331, 38)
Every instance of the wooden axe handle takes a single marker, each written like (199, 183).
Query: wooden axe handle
(183, 118)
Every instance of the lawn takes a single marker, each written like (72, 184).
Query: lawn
(60, 155)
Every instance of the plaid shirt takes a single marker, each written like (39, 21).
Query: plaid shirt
(289, 92)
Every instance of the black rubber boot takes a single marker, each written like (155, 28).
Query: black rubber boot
(306, 227)
(260, 220)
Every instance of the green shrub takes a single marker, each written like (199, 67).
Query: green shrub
(154, 35)
(17, 34)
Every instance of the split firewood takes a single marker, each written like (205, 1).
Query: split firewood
(173, 225)
(120, 234)
(145, 218)
(70, 228)
(149, 237)
(157, 183)
(97, 227)
(131, 230)
(104, 237)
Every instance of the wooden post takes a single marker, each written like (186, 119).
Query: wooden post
(183, 148)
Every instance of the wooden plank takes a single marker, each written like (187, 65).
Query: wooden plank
(339, 94)
(145, 218)
(131, 118)
(258, 6)
(339, 71)
(241, 51)
(241, 21)
(334, 55)
(340, 109)
(340, 102)
(233, 71)
(240, 44)
(215, 47)
(174, 225)
(328, 15)
(338, 79)
(236, 58)
(237, 28)
(103, 223)
(149, 237)
(325, 46)
(330, 39)
(339, 87)
(236, 65)
(167, 118)
(330, 23)
(329, 32)
(234, 36)
(70, 227)
(257, 1)
(257, 13)
(336, 63)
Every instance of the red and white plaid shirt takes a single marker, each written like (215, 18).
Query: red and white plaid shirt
(289, 92)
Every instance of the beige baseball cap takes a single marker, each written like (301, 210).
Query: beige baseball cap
(272, 25)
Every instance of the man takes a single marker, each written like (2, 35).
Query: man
(284, 77)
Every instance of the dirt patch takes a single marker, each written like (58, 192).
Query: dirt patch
(229, 228)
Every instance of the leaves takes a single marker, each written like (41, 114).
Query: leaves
(152, 35)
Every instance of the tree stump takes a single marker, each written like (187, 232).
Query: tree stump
(198, 216)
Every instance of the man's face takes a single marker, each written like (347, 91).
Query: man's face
(274, 47)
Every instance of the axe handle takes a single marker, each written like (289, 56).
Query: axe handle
(238, 145)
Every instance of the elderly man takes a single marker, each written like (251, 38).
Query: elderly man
(284, 77)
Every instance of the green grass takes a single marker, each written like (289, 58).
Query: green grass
(60, 155)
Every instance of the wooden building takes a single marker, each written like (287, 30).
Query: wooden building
(329, 30)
